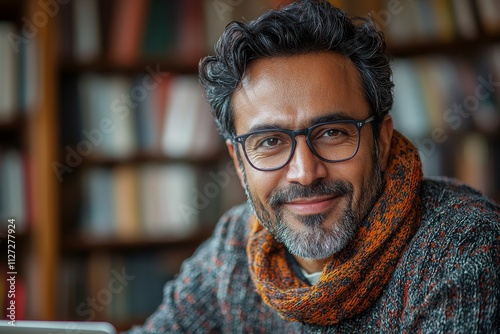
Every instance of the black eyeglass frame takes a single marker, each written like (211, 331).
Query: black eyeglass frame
(306, 132)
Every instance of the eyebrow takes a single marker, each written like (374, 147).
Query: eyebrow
(337, 116)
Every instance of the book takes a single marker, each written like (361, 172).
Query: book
(432, 88)
(126, 31)
(217, 14)
(28, 191)
(89, 87)
(464, 22)
(179, 126)
(144, 125)
(86, 30)
(486, 116)
(207, 141)
(150, 115)
(99, 276)
(98, 211)
(160, 29)
(489, 70)
(189, 129)
(489, 15)
(190, 39)
(442, 15)
(125, 186)
(9, 75)
(177, 184)
(409, 113)
(116, 105)
(27, 73)
(161, 97)
(401, 28)
(150, 199)
(66, 29)
(465, 93)
(472, 163)
(166, 195)
(13, 190)
(106, 10)
(106, 113)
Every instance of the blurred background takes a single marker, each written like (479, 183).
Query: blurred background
(110, 162)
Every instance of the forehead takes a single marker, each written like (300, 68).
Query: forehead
(291, 92)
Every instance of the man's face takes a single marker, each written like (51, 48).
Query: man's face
(313, 207)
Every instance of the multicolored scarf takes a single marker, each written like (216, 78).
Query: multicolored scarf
(356, 276)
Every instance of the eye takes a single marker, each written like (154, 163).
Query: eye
(333, 133)
(269, 142)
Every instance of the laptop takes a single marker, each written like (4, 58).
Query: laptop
(55, 327)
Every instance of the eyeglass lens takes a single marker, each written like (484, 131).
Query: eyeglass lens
(272, 149)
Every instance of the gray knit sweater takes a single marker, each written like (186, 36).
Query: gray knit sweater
(448, 280)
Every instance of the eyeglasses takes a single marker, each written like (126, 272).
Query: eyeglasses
(335, 141)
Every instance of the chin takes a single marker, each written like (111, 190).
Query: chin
(316, 238)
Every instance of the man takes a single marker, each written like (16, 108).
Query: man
(341, 234)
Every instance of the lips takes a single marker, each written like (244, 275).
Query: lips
(311, 206)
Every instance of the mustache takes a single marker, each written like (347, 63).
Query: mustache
(318, 188)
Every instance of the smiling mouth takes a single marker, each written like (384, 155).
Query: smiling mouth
(311, 206)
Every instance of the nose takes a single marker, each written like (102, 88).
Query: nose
(304, 167)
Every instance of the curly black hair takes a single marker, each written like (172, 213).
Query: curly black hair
(301, 27)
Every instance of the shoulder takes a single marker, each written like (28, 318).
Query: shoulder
(448, 199)
(233, 227)
(451, 268)
(458, 225)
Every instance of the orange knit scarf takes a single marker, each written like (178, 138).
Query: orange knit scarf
(356, 276)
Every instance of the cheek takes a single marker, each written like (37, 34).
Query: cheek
(356, 171)
(261, 184)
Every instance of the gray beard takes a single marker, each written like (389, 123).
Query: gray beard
(314, 242)
(317, 241)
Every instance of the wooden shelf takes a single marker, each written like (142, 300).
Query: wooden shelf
(11, 10)
(15, 127)
(143, 158)
(23, 241)
(169, 63)
(83, 243)
(462, 47)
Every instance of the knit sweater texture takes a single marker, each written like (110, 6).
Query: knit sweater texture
(447, 281)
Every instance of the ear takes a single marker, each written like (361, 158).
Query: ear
(231, 149)
(384, 141)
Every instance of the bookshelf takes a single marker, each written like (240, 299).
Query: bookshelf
(446, 96)
(144, 174)
(446, 72)
(95, 198)
(28, 136)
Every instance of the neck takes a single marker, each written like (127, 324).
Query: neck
(311, 266)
